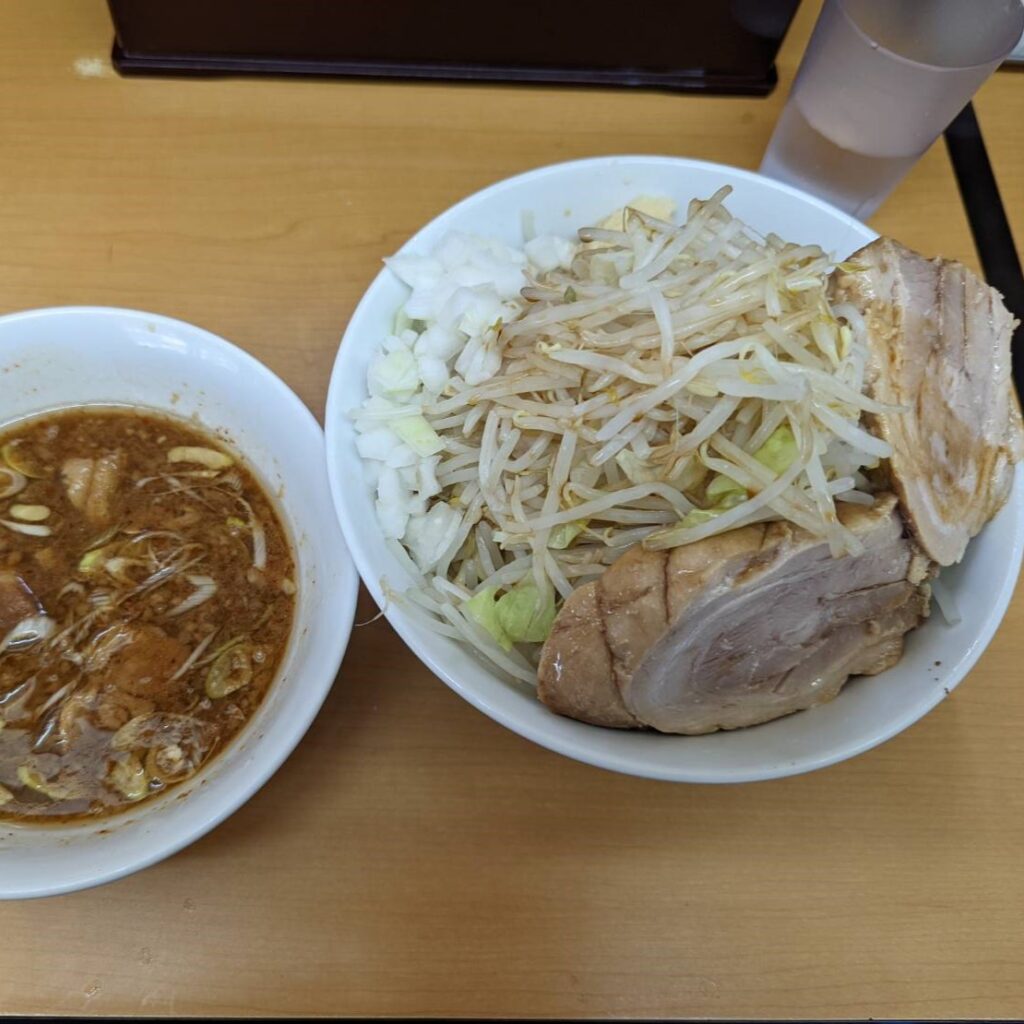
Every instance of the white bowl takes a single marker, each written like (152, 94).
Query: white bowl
(868, 711)
(55, 358)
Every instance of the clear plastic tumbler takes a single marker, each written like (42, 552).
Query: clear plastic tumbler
(880, 80)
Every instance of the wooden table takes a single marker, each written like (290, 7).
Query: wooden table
(413, 857)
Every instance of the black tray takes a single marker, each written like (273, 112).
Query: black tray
(717, 46)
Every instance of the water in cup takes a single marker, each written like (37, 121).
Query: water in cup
(877, 84)
(806, 157)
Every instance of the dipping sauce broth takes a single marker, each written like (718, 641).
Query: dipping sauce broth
(147, 594)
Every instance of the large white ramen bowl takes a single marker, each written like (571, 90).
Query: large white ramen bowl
(54, 358)
(868, 711)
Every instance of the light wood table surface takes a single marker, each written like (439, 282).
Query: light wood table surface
(413, 857)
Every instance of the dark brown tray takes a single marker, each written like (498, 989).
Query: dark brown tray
(680, 45)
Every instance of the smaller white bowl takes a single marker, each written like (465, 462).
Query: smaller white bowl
(58, 358)
(562, 198)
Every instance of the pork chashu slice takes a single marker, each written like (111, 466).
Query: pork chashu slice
(736, 629)
(939, 345)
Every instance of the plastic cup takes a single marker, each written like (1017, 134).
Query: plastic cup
(879, 82)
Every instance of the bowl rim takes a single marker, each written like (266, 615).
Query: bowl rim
(552, 739)
(340, 591)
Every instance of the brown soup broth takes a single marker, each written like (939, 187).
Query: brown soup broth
(147, 593)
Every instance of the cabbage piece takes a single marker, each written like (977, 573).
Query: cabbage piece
(483, 610)
(730, 499)
(562, 536)
(779, 451)
(723, 487)
(525, 613)
(776, 454)
(635, 468)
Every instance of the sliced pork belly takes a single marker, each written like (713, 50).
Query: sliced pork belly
(939, 343)
(735, 629)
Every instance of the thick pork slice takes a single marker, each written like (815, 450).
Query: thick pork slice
(939, 343)
(736, 629)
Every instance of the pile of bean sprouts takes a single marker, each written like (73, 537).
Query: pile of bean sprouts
(621, 380)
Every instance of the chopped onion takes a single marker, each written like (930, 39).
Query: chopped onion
(29, 513)
(29, 529)
(55, 698)
(259, 537)
(209, 457)
(206, 587)
(196, 654)
(11, 482)
(259, 544)
(28, 632)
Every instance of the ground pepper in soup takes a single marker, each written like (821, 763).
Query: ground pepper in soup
(146, 598)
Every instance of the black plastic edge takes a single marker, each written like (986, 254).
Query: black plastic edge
(990, 227)
(128, 63)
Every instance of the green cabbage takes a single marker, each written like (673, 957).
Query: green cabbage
(776, 454)
(723, 493)
(526, 613)
(779, 451)
(521, 615)
(482, 608)
(562, 536)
